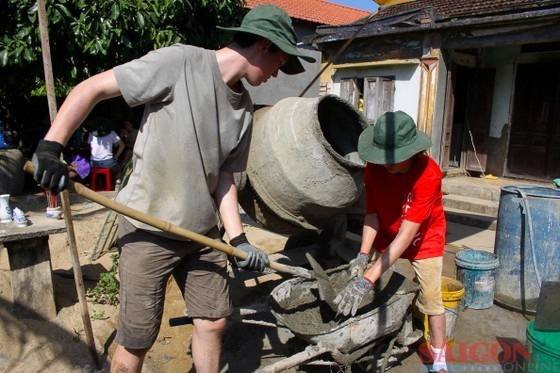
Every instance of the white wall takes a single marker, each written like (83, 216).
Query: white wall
(276, 89)
(407, 83)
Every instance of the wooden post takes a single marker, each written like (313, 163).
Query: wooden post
(78, 279)
(51, 98)
(47, 65)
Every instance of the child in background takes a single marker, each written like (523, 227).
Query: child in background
(102, 140)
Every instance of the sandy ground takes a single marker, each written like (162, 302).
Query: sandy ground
(60, 345)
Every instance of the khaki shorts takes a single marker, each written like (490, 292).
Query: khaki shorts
(146, 262)
(428, 274)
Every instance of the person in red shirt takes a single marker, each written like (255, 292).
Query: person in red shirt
(404, 219)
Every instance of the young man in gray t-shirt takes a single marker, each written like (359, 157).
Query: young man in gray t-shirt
(195, 133)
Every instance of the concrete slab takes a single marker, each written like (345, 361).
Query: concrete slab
(471, 218)
(460, 235)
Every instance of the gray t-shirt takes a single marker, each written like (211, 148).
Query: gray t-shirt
(193, 126)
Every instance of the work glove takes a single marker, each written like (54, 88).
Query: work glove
(50, 172)
(358, 265)
(349, 299)
(256, 258)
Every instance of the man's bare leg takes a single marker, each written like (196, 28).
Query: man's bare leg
(437, 337)
(437, 330)
(127, 360)
(207, 344)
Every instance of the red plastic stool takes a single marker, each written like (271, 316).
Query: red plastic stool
(95, 172)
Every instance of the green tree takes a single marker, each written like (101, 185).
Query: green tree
(89, 36)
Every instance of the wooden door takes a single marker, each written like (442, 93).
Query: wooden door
(379, 95)
(448, 119)
(349, 91)
(478, 116)
(534, 146)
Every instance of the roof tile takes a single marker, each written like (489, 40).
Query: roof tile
(448, 10)
(317, 11)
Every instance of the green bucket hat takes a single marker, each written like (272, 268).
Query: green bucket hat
(274, 24)
(393, 139)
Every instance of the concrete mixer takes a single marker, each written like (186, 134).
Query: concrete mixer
(304, 172)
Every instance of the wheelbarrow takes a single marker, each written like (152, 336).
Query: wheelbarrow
(382, 327)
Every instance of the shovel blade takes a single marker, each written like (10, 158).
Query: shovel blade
(326, 291)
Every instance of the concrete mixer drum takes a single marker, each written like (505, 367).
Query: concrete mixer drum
(303, 171)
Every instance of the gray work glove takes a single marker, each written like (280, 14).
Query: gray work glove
(349, 299)
(256, 258)
(50, 172)
(358, 265)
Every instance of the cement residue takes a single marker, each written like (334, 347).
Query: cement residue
(301, 310)
(319, 135)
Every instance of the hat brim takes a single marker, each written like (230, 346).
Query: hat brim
(293, 66)
(371, 153)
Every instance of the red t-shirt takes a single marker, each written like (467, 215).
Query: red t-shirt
(415, 196)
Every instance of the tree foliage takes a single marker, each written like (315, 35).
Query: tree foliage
(89, 36)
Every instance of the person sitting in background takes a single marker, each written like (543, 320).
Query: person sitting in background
(102, 140)
(128, 134)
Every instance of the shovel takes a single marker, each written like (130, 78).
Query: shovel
(165, 226)
(326, 291)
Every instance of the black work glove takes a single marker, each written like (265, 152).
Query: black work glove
(256, 258)
(50, 172)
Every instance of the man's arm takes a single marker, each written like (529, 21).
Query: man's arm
(120, 148)
(394, 251)
(50, 172)
(79, 104)
(369, 232)
(349, 299)
(226, 199)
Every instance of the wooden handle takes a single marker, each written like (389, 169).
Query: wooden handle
(165, 226)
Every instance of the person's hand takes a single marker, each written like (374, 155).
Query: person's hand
(358, 265)
(256, 258)
(50, 172)
(349, 299)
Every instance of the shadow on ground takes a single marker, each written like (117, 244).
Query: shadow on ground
(43, 342)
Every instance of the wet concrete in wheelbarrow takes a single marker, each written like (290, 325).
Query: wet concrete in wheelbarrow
(303, 311)
(302, 320)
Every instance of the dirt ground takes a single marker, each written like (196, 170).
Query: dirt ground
(484, 339)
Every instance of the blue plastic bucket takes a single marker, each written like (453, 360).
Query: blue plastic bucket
(476, 270)
(527, 245)
(544, 347)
